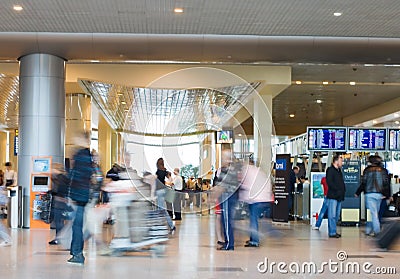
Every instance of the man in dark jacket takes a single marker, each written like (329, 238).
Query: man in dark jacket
(376, 185)
(81, 175)
(336, 193)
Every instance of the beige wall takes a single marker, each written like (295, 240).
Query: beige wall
(105, 133)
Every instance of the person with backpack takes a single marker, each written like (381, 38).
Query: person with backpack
(375, 184)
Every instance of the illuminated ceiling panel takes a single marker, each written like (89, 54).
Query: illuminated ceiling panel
(9, 101)
(154, 111)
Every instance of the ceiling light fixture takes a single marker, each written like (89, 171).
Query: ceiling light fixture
(178, 10)
(8, 119)
(95, 61)
(396, 115)
(397, 122)
(337, 14)
(319, 101)
(374, 122)
(291, 115)
(239, 135)
(325, 82)
(352, 83)
(298, 82)
(123, 103)
(17, 8)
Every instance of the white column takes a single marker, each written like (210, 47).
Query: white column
(78, 119)
(263, 129)
(41, 116)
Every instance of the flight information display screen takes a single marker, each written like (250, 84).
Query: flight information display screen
(326, 138)
(394, 139)
(367, 139)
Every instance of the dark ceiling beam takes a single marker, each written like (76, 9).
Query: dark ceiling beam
(202, 48)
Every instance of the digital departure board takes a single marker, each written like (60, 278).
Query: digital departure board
(367, 139)
(326, 139)
(394, 139)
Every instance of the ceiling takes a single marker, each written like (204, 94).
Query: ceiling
(235, 31)
(361, 18)
(339, 99)
(167, 112)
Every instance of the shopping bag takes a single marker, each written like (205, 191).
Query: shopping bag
(169, 195)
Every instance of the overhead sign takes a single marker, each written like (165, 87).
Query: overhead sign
(326, 138)
(280, 212)
(367, 139)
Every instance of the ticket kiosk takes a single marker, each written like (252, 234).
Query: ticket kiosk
(40, 184)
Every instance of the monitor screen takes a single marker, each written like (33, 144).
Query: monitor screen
(326, 139)
(367, 139)
(225, 136)
(41, 180)
(394, 139)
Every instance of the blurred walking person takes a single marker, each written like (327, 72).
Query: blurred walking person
(161, 174)
(256, 191)
(4, 235)
(59, 191)
(81, 175)
(376, 185)
(178, 187)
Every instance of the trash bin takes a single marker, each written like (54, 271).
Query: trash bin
(12, 207)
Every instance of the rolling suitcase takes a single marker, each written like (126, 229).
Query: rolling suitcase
(389, 234)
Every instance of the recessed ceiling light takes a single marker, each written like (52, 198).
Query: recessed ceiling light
(120, 93)
(396, 115)
(337, 14)
(17, 8)
(126, 109)
(178, 10)
(298, 82)
(239, 135)
(397, 122)
(352, 83)
(291, 115)
(319, 101)
(325, 82)
(95, 61)
(374, 122)
(8, 119)
(123, 103)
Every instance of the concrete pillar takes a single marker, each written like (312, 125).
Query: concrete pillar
(263, 131)
(78, 119)
(41, 116)
(105, 132)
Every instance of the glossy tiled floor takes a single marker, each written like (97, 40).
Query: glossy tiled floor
(191, 253)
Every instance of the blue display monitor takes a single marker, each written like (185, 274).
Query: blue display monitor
(225, 136)
(394, 139)
(367, 139)
(326, 139)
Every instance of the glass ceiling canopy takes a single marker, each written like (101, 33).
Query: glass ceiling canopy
(168, 112)
(9, 100)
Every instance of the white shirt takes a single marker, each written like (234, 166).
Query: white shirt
(10, 175)
(178, 183)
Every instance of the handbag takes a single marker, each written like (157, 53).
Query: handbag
(169, 195)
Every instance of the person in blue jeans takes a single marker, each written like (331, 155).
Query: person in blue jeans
(79, 193)
(376, 185)
(324, 207)
(335, 195)
(256, 191)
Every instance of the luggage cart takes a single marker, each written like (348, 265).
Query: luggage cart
(139, 224)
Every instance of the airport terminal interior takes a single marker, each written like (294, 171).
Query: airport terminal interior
(199, 139)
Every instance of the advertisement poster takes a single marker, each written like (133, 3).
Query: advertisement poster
(352, 179)
(41, 165)
(282, 180)
(317, 188)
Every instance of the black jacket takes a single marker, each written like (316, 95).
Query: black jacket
(81, 176)
(375, 180)
(336, 186)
